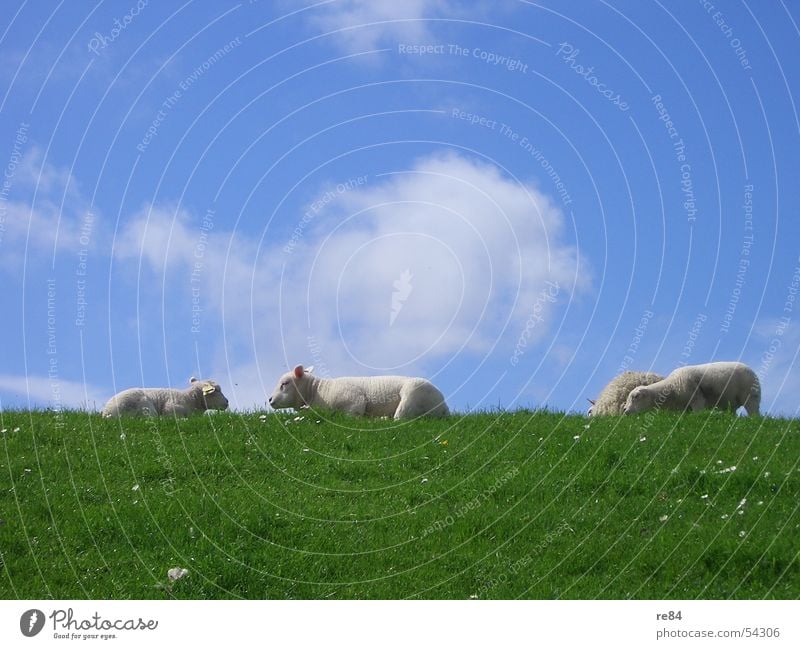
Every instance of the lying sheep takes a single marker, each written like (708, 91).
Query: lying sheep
(399, 397)
(612, 398)
(726, 385)
(152, 402)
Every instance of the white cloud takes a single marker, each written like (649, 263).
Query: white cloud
(470, 247)
(193, 252)
(159, 235)
(49, 217)
(362, 25)
(44, 392)
(479, 247)
(185, 256)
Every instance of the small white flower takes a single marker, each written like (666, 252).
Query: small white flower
(424, 480)
(122, 436)
(755, 457)
(766, 474)
(135, 487)
(642, 439)
(742, 534)
(724, 516)
(177, 573)
(663, 518)
(16, 430)
(576, 438)
(306, 450)
(262, 417)
(760, 502)
(298, 418)
(704, 496)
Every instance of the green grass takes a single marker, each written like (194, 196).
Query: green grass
(495, 505)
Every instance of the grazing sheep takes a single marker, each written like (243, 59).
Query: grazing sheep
(612, 398)
(152, 402)
(400, 397)
(726, 385)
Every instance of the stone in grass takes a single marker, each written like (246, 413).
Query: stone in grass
(176, 573)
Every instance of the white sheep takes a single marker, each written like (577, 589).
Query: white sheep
(725, 385)
(612, 398)
(152, 402)
(399, 397)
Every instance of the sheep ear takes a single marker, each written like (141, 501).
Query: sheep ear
(298, 372)
(590, 401)
(208, 388)
(310, 369)
(192, 380)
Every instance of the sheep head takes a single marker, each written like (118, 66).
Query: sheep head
(292, 390)
(211, 395)
(639, 400)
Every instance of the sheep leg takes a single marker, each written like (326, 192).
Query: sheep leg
(356, 411)
(698, 402)
(413, 403)
(148, 410)
(406, 409)
(175, 410)
(356, 408)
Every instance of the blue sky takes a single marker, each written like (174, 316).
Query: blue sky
(517, 200)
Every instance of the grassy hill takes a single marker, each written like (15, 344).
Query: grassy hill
(495, 505)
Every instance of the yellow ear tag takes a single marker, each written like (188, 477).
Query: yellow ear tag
(208, 389)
